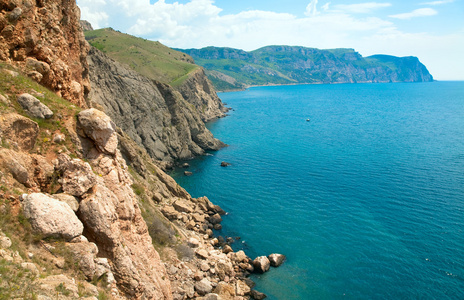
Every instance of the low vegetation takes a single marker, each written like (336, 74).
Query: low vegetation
(151, 59)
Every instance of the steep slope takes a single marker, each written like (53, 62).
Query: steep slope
(291, 64)
(150, 112)
(158, 62)
(43, 38)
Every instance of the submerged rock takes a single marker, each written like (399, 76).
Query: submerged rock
(225, 164)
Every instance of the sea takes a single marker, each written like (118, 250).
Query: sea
(361, 186)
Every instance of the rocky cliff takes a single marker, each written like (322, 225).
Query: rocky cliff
(199, 91)
(43, 38)
(292, 65)
(158, 62)
(152, 113)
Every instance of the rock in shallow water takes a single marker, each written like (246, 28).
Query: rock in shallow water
(276, 259)
(261, 264)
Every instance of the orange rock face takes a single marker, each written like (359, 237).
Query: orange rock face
(45, 40)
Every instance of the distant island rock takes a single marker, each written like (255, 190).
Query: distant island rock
(235, 69)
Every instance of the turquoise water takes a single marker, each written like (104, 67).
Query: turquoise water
(366, 200)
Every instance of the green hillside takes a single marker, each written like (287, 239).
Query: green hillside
(292, 64)
(151, 59)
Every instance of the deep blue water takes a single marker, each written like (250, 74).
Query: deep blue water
(366, 200)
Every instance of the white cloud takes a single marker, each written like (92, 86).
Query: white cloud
(420, 12)
(362, 8)
(311, 9)
(200, 23)
(438, 2)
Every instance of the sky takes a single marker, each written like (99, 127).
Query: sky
(432, 30)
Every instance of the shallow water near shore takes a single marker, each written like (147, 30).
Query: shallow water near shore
(366, 199)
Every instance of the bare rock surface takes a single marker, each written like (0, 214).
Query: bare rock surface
(51, 217)
(261, 264)
(156, 117)
(78, 176)
(21, 130)
(100, 128)
(34, 107)
(276, 259)
(45, 40)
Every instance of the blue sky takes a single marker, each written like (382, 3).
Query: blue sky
(431, 30)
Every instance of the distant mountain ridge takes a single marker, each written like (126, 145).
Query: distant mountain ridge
(231, 69)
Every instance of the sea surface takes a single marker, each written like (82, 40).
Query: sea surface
(366, 199)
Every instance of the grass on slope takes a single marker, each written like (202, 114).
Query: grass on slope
(151, 59)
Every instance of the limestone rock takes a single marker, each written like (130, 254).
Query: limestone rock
(34, 107)
(261, 264)
(215, 219)
(68, 199)
(182, 206)
(5, 242)
(78, 177)
(44, 38)
(241, 288)
(84, 253)
(51, 217)
(257, 295)
(156, 117)
(276, 259)
(31, 267)
(203, 287)
(100, 128)
(19, 129)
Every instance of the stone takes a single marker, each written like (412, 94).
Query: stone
(276, 260)
(239, 256)
(257, 295)
(212, 297)
(169, 212)
(203, 287)
(58, 138)
(34, 107)
(227, 249)
(19, 129)
(68, 199)
(19, 171)
(15, 14)
(241, 288)
(198, 275)
(185, 165)
(261, 264)
(31, 267)
(4, 100)
(193, 242)
(217, 227)
(188, 173)
(102, 267)
(204, 266)
(39, 66)
(5, 242)
(84, 253)
(51, 217)
(78, 177)
(202, 253)
(225, 164)
(215, 219)
(100, 128)
(182, 206)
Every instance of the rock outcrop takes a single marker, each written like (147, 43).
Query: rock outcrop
(151, 113)
(44, 39)
(198, 90)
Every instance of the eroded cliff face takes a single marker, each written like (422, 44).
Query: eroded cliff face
(44, 39)
(199, 91)
(152, 113)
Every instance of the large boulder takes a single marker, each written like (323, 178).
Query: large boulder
(34, 107)
(100, 128)
(261, 264)
(203, 287)
(85, 254)
(51, 217)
